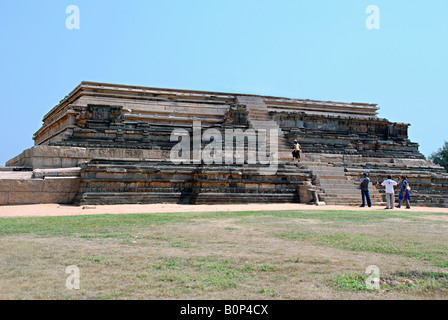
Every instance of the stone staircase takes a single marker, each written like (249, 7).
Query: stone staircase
(259, 118)
(429, 185)
(335, 187)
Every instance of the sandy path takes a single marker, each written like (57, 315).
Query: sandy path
(42, 210)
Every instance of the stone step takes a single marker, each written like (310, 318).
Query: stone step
(350, 195)
(341, 191)
(342, 196)
(334, 190)
(310, 164)
(328, 173)
(99, 198)
(256, 106)
(350, 192)
(183, 198)
(326, 168)
(206, 198)
(337, 183)
(328, 177)
(340, 184)
(259, 118)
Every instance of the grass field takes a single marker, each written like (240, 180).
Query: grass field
(227, 255)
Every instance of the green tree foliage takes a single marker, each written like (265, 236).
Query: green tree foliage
(441, 156)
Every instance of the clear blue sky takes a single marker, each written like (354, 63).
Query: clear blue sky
(299, 49)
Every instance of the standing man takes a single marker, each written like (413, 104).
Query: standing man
(404, 193)
(365, 190)
(390, 193)
(296, 152)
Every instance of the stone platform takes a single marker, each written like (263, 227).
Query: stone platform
(118, 139)
(115, 181)
(39, 186)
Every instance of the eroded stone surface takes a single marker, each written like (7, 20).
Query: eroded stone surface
(119, 137)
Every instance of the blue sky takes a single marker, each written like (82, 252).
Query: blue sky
(299, 49)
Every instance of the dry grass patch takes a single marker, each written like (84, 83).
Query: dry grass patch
(232, 255)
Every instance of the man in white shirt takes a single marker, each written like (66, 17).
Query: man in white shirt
(390, 193)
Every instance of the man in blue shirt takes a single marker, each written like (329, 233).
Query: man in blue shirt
(404, 193)
(365, 190)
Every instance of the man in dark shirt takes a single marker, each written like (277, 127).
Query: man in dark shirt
(365, 190)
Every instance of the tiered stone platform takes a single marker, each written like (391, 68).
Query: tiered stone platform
(117, 139)
(115, 181)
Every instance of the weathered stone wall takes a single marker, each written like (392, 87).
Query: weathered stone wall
(121, 181)
(120, 137)
(104, 115)
(47, 156)
(39, 186)
(96, 115)
(366, 136)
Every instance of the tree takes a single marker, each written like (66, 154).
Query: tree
(441, 156)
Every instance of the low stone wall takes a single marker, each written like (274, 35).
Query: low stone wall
(116, 181)
(44, 156)
(39, 186)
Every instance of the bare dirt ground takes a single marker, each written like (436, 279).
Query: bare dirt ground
(45, 210)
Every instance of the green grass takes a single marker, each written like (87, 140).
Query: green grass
(372, 243)
(109, 224)
(203, 272)
(125, 226)
(421, 281)
(281, 254)
(442, 265)
(351, 281)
